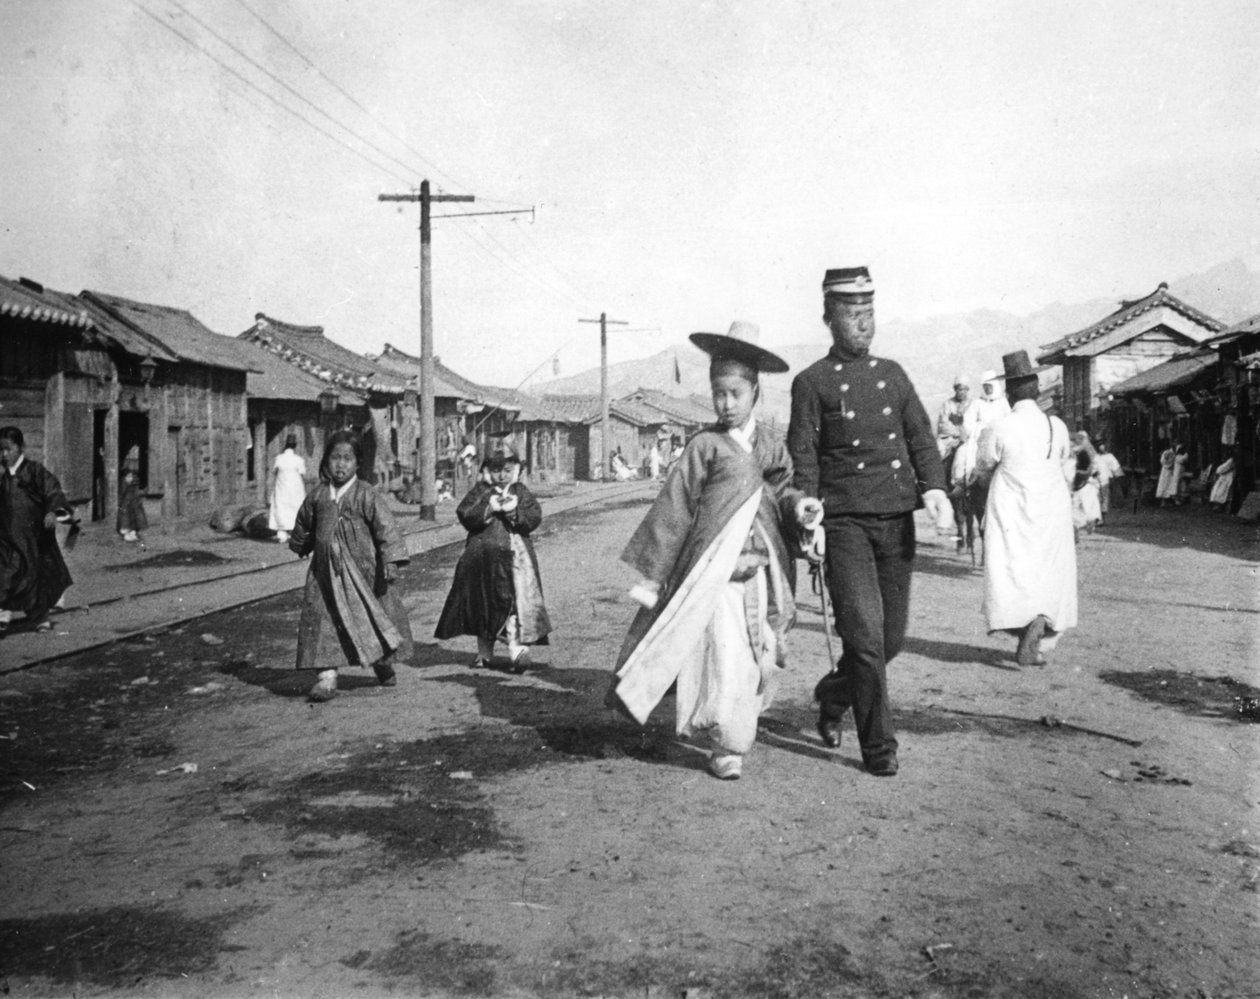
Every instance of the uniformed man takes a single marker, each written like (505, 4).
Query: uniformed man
(862, 442)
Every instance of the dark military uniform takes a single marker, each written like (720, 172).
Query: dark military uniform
(862, 442)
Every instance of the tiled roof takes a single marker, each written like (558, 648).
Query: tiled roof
(276, 378)
(306, 347)
(1175, 373)
(446, 383)
(27, 299)
(685, 410)
(176, 330)
(586, 409)
(1127, 312)
(1247, 327)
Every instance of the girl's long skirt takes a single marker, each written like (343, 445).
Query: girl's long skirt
(732, 682)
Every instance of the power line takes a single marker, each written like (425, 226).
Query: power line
(348, 96)
(305, 100)
(280, 104)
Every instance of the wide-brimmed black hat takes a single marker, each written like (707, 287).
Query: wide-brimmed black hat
(1018, 365)
(739, 343)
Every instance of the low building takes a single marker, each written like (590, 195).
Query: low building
(633, 428)
(1137, 336)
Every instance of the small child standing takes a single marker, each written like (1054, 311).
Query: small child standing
(718, 573)
(497, 591)
(350, 613)
(131, 518)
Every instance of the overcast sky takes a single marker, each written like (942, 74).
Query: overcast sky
(690, 163)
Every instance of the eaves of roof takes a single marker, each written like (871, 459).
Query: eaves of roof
(29, 300)
(177, 330)
(307, 348)
(1053, 353)
(275, 378)
(1175, 373)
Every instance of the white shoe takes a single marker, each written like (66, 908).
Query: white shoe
(282, 537)
(326, 688)
(726, 766)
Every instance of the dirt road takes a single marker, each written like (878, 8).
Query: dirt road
(178, 821)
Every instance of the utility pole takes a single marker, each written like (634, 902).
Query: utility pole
(428, 430)
(603, 321)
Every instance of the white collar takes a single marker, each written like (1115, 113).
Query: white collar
(338, 493)
(18, 464)
(744, 435)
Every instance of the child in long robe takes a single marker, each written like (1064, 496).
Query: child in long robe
(131, 519)
(350, 612)
(33, 575)
(497, 594)
(717, 570)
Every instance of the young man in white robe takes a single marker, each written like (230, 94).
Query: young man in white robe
(1030, 557)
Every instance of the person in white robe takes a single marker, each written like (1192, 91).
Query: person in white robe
(288, 489)
(1030, 557)
(986, 409)
(1223, 485)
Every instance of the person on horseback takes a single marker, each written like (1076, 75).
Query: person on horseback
(949, 438)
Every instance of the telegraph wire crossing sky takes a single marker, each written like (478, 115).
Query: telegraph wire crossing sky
(689, 163)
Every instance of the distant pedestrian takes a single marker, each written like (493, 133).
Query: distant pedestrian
(1110, 472)
(288, 489)
(1172, 469)
(350, 612)
(717, 573)
(654, 462)
(1029, 557)
(1086, 485)
(1223, 485)
(131, 519)
(496, 594)
(33, 575)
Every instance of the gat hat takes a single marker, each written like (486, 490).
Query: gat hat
(849, 282)
(1017, 365)
(739, 343)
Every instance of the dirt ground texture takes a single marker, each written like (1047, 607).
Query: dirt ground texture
(177, 820)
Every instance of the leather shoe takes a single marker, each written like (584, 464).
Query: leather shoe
(883, 766)
(385, 674)
(829, 731)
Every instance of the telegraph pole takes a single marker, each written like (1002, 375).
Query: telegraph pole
(603, 321)
(428, 430)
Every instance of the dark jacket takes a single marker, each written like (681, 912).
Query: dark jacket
(859, 437)
(34, 575)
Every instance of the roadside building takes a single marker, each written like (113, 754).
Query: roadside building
(181, 411)
(1238, 395)
(632, 427)
(283, 399)
(1136, 337)
(308, 349)
(66, 382)
(1173, 401)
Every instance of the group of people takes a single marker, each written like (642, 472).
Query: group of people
(717, 551)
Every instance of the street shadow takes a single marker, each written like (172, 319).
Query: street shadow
(947, 566)
(564, 709)
(1190, 526)
(293, 683)
(791, 729)
(957, 652)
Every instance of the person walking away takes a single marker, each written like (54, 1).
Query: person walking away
(1110, 473)
(1086, 485)
(1030, 558)
(862, 443)
(1169, 475)
(33, 575)
(288, 489)
(497, 592)
(131, 519)
(989, 407)
(1223, 485)
(351, 614)
(654, 461)
(717, 573)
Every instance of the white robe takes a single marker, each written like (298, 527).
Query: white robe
(980, 413)
(289, 490)
(1029, 552)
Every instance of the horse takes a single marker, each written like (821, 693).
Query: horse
(968, 496)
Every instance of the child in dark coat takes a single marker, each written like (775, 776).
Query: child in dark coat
(497, 593)
(350, 612)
